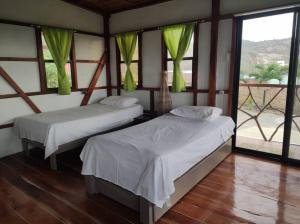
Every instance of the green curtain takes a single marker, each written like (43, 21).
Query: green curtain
(127, 45)
(177, 39)
(59, 44)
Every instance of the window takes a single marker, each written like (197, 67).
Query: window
(135, 63)
(50, 67)
(186, 65)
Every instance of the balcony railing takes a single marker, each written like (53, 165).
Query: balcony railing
(256, 99)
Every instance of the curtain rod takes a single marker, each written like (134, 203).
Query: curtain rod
(198, 21)
(12, 22)
(147, 29)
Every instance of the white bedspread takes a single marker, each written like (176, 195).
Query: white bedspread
(146, 159)
(59, 127)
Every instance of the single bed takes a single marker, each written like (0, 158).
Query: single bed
(149, 167)
(62, 130)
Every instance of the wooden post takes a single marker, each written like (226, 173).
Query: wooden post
(152, 103)
(232, 65)
(118, 66)
(164, 55)
(140, 63)
(213, 52)
(107, 52)
(74, 66)
(195, 65)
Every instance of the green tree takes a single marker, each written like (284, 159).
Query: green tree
(264, 73)
(243, 77)
(51, 73)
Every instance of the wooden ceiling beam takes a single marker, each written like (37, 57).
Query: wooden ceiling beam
(145, 4)
(83, 5)
(105, 11)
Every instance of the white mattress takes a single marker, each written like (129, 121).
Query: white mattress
(146, 159)
(59, 127)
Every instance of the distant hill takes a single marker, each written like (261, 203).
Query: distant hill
(264, 52)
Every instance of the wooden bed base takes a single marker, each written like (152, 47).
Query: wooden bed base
(68, 146)
(149, 213)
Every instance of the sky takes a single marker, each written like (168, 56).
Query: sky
(268, 28)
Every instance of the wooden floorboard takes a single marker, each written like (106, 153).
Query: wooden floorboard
(240, 190)
(24, 206)
(8, 213)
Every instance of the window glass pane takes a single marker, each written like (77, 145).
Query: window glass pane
(51, 74)
(262, 92)
(186, 66)
(46, 53)
(135, 54)
(134, 70)
(294, 150)
(189, 52)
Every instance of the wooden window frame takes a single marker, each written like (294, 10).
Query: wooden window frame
(139, 62)
(42, 65)
(194, 59)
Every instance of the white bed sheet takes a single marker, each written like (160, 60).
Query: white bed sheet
(59, 127)
(146, 159)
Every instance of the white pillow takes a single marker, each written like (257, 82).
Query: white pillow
(119, 101)
(198, 112)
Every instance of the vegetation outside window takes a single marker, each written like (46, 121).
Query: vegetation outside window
(56, 51)
(127, 44)
(177, 39)
(186, 66)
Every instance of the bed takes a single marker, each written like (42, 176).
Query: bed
(62, 130)
(149, 167)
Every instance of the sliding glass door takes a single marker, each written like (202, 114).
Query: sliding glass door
(294, 149)
(293, 127)
(265, 76)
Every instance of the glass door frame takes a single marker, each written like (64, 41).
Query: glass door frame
(293, 63)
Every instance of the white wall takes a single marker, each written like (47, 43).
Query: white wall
(51, 12)
(178, 11)
(151, 58)
(237, 6)
(19, 41)
(164, 13)
(184, 10)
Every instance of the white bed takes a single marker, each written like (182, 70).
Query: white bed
(56, 128)
(146, 159)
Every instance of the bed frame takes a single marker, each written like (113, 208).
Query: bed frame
(148, 212)
(68, 146)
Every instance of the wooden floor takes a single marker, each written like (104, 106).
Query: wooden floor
(241, 190)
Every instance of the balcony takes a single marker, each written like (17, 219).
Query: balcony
(260, 125)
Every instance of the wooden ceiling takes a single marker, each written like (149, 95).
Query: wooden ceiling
(112, 6)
